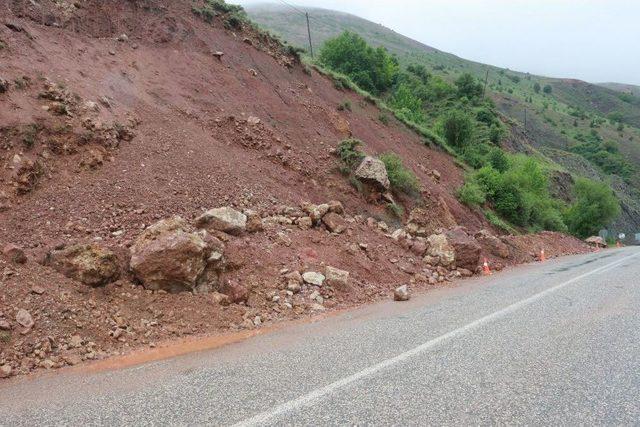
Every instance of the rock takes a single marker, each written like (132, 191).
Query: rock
(218, 55)
(313, 278)
(419, 246)
(596, 241)
(5, 371)
(435, 174)
(304, 223)
(171, 256)
(13, 253)
(26, 173)
(76, 341)
(73, 359)
(401, 293)
(254, 222)
(122, 38)
(294, 281)
(465, 272)
(220, 298)
(334, 222)
(4, 325)
(252, 120)
(440, 249)
(336, 278)
(89, 264)
(317, 212)
(372, 171)
(4, 85)
(24, 319)
(466, 248)
(336, 207)
(235, 291)
(38, 290)
(224, 219)
(495, 246)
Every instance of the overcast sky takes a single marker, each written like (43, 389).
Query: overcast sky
(593, 40)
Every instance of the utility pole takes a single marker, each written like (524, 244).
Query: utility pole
(306, 14)
(486, 79)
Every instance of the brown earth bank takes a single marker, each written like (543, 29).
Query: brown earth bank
(117, 116)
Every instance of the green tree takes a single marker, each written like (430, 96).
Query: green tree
(547, 89)
(468, 86)
(594, 208)
(536, 87)
(457, 128)
(373, 69)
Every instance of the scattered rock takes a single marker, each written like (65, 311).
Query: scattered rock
(294, 281)
(372, 171)
(4, 85)
(89, 264)
(171, 256)
(24, 319)
(38, 290)
(336, 207)
(304, 223)
(254, 222)
(122, 38)
(224, 219)
(401, 293)
(336, 278)
(5, 371)
(4, 325)
(235, 291)
(334, 222)
(15, 254)
(253, 120)
(218, 55)
(313, 278)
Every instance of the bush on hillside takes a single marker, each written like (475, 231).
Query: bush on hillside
(536, 87)
(471, 193)
(400, 177)
(372, 69)
(457, 128)
(468, 86)
(407, 104)
(595, 207)
(547, 89)
(349, 153)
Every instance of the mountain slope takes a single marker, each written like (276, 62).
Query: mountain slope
(557, 120)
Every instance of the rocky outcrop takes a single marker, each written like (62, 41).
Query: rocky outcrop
(173, 257)
(224, 219)
(466, 248)
(89, 264)
(372, 171)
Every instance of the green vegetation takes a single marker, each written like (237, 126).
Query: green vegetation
(349, 153)
(344, 105)
(441, 97)
(212, 8)
(373, 69)
(401, 178)
(594, 208)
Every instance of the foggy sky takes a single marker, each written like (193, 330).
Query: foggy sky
(593, 40)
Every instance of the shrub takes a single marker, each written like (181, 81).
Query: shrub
(595, 206)
(408, 104)
(457, 128)
(400, 177)
(471, 194)
(349, 153)
(344, 105)
(536, 87)
(547, 89)
(384, 119)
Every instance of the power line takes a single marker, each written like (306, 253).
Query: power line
(292, 7)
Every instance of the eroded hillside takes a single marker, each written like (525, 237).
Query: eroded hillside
(117, 115)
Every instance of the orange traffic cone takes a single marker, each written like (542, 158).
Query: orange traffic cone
(485, 268)
(542, 257)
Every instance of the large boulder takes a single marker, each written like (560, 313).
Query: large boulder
(440, 250)
(338, 279)
(495, 246)
(334, 222)
(224, 219)
(466, 248)
(596, 241)
(372, 171)
(173, 257)
(90, 264)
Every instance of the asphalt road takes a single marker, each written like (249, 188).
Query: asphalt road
(552, 343)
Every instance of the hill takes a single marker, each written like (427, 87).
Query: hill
(622, 87)
(170, 170)
(558, 119)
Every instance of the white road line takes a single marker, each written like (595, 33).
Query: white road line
(317, 394)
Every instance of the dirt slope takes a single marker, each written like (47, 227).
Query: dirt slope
(102, 135)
